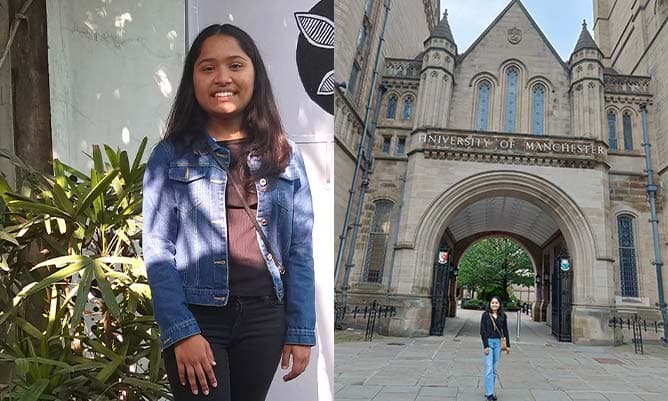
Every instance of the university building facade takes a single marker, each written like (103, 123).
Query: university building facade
(506, 139)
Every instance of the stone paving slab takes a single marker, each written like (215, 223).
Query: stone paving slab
(539, 368)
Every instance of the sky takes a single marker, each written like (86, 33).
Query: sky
(560, 21)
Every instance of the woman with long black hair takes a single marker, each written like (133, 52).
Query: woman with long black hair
(227, 229)
(494, 334)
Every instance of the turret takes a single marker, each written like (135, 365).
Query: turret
(438, 65)
(587, 88)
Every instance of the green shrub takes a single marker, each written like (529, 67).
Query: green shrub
(473, 304)
(89, 228)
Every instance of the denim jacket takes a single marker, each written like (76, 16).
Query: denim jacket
(185, 238)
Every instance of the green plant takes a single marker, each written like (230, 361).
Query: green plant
(89, 227)
(473, 304)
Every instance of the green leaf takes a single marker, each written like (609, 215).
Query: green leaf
(28, 328)
(38, 208)
(35, 391)
(62, 261)
(111, 155)
(140, 154)
(107, 293)
(144, 385)
(4, 235)
(124, 165)
(95, 192)
(97, 159)
(56, 277)
(61, 200)
(82, 295)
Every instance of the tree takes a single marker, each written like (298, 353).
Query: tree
(493, 265)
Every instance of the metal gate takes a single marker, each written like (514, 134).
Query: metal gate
(439, 299)
(562, 285)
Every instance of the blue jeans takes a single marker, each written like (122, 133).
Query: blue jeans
(491, 364)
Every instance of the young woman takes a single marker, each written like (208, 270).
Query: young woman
(493, 327)
(227, 229)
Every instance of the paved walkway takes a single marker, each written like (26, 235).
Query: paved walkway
(538, 368)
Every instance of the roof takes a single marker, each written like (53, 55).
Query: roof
(585, 41)
(531, 20)
(443, 29)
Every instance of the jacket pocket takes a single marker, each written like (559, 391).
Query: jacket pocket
(189, 185)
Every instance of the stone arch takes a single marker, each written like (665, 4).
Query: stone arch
(574, 225)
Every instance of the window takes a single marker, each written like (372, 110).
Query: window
(512, 75)
(378, 241)
(362, 38)
(628, 131)
(368, 8)
(386, 144)
(401, 146)
(627, 256)
(391, 107)
(482, 109)
(612, 129)
(352, 82)
(538, 110)
(408, 108)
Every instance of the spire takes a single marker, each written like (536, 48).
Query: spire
(585, 41)
(443, 29)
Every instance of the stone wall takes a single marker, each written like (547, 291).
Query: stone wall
(536, 62)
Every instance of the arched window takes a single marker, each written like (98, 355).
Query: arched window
(378, 241)
(408, 108)
(612, 129)
(627, 256)
(628, 131)
(482, 108)
(512, 76)
(538, 110)
(391, 107)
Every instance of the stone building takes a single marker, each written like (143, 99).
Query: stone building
(507, 139)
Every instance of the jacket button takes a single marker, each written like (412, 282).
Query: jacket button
(269, 257)
(264, 222)
(263, 181)
(281, 270)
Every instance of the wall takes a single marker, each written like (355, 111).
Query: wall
(114, 68)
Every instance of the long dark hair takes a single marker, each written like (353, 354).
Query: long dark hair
(500, 312)
(261, 121)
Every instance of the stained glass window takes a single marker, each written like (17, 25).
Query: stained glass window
(401, 146)
(512, 75)
(378, 242)
(627, 256)
(628, 131)
(482, 109)
(612, 129)
(408, 108)
(391, 107)
(538, 110)
(386, 144)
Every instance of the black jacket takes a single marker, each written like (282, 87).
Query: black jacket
(487, 328)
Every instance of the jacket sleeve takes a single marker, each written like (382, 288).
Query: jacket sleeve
(300, 291)
(505, 329)
(158, 244)
(483, 330)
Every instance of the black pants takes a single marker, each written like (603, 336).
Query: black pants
(246, 338)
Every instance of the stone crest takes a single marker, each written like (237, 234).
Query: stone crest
(514, 35)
